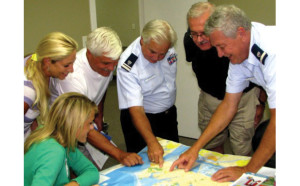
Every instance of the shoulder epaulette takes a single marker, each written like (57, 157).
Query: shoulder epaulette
(259, 53)
(127, 65)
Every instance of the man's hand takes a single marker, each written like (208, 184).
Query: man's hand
(130, 159)
(228, 174)
(155, 153)
(185, 160)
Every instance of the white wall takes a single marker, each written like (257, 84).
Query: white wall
(174, 11)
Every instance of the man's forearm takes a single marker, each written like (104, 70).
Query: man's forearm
(220, 119)
(142, 124)
(99, 116)
(101, 142)
(266, 147)
(262, 95)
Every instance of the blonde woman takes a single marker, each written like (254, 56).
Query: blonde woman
(53, 58)
(51, 150)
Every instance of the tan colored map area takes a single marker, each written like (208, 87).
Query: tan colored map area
(180, 177)
(176, 177)
(215, 158)
(225, 160)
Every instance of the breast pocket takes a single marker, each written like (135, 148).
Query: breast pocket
(149, 82)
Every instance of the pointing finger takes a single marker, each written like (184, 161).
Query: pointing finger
(175, 163)
(161, 161)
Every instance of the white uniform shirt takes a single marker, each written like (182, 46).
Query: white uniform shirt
(83, 80)
(252, 69)
(151, 85)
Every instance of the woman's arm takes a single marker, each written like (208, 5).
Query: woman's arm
(87, 173)
(48, 161)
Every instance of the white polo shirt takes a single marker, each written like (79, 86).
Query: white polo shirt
(83, 80)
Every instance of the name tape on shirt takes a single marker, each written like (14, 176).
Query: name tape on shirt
(127, 65)
(172, 59)
(259, 53)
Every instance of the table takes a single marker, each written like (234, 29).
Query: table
(151, 174)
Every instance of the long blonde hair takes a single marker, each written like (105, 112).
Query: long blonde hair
(66, 116)
(57, 46)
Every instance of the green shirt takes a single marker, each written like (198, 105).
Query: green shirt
(47, 163)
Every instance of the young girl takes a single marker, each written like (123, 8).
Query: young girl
(52, 149)
(53, 58)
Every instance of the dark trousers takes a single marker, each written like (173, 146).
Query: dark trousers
(164, 125)
(259, 132)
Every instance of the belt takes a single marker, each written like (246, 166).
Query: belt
(164, 112)
(251, 85)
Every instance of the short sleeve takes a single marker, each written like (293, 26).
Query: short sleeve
(129, 90)
(236, 81)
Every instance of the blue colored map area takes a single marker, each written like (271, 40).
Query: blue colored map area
(151, 174)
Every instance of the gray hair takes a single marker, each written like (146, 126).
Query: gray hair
(198, 9)
(227, 19)
(159, 30)
(104, 41)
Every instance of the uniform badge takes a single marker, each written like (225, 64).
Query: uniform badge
(259, 53)
(127, 65)
(172, 59)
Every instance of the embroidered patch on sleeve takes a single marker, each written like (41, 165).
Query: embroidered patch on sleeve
(172, 59)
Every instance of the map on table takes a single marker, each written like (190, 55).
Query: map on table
(151, 174)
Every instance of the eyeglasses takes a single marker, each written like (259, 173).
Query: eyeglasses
(195, 35)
